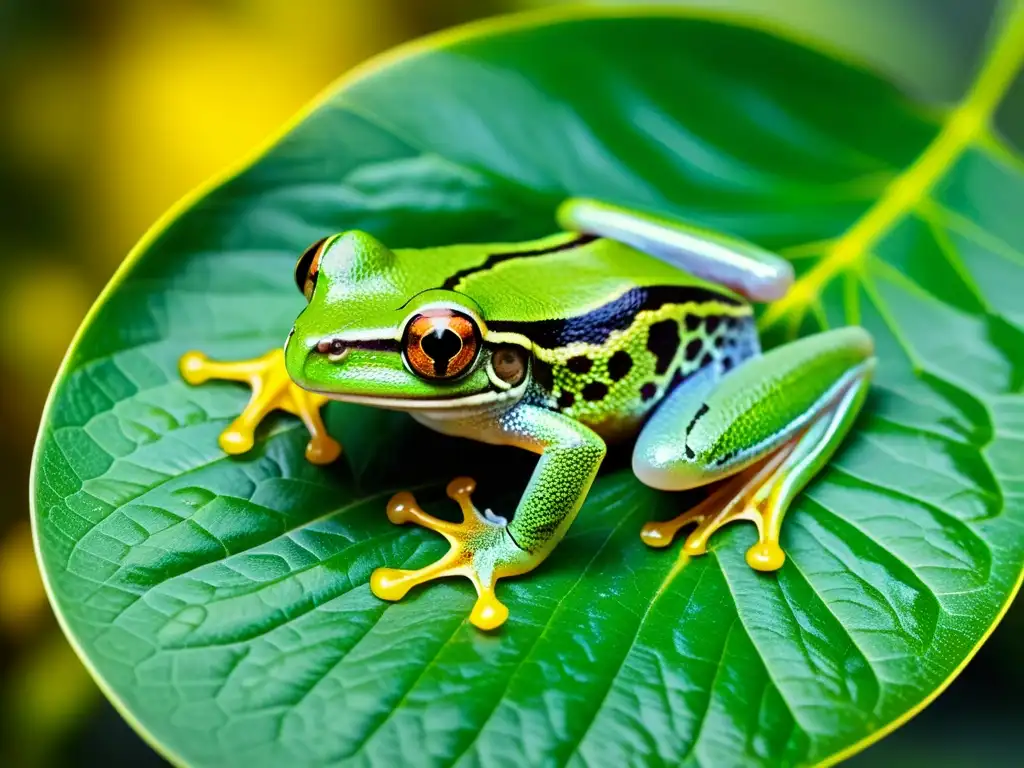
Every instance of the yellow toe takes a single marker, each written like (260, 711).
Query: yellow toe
(389, 584)
(656, 535)
(235, 442)
(322, 450)
(400, 508)
(488, 613)
(193, 367)
(695, 547)
(765, 556)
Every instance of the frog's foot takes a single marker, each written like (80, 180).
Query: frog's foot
(756, 495)
(481, 550)
(762, 492)
(272, 389)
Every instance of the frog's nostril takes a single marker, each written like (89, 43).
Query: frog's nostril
(335, 349)
(330, 346)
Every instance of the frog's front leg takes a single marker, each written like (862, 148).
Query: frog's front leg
(765, 429)
(272, 389)
(484, 547)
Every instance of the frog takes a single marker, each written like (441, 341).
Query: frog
(624, 325)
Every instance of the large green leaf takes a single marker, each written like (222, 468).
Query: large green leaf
(223, 602)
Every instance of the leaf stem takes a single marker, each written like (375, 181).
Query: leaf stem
(965, 123)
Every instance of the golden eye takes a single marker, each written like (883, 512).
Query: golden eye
(441, 343)
(308, 267)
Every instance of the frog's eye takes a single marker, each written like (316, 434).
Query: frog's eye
(441, 343)
(308, 267)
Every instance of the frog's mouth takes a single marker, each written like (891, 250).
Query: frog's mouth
(373, 371)
(460, 404)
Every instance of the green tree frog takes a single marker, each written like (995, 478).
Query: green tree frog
(622, 325)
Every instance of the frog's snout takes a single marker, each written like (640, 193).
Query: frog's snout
(302, 350)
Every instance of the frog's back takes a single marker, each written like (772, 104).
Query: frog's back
(539, 280)
(613, 330)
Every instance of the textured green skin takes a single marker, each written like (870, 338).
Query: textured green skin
(817, 447)
(620, 413)
(768, 396)
(747, 414)
(366, 293)
(570, 456)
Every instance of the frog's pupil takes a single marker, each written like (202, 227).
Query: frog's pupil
(441, 346)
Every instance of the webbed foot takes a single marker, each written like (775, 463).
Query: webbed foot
(481, 550)
(751, 495)
(272, 389)
(762, 492)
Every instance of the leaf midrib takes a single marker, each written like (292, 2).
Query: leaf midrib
(964, 127)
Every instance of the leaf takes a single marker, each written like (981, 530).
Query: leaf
(223, 603)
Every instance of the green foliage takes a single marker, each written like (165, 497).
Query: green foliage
(223, 602)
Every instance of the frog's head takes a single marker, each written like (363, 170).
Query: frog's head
(377, 330)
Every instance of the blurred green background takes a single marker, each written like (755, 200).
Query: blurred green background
(113, 109)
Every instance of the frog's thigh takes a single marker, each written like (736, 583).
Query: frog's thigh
(769, 425)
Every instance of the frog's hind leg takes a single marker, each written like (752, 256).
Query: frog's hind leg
(747, 269)
(764, 431)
